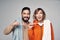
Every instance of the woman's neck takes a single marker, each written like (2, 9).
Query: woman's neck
(42, 21)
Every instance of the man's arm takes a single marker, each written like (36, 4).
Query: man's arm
(10, 27)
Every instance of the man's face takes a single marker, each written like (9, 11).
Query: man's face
(25, 15)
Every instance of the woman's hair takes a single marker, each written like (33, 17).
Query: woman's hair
(36, 11)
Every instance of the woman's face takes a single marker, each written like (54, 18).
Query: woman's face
(39, 15)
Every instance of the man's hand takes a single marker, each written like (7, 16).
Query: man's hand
(10, 27)
(15, 23)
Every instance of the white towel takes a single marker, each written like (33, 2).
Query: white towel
(47, 30)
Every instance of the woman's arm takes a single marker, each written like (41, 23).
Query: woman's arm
(52, 32)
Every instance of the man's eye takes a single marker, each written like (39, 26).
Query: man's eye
(24, 13)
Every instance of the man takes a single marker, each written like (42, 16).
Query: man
(42, 29)
(18, 27)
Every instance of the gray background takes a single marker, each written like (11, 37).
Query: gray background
(10, 10)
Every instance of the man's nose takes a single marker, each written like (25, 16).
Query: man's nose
(26, 15)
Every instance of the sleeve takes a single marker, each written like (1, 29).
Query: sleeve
(30, 33)
(52, 32)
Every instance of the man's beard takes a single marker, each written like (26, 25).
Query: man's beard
(25, 20)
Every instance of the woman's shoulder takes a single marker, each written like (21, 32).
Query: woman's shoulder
(47, 20)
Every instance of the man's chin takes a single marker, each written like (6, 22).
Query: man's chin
(25, 20)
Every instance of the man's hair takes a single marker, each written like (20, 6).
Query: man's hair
(36, 11)
(25, 8)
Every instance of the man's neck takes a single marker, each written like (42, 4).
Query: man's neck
(26, 22)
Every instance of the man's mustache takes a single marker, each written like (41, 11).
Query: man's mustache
(25, 17)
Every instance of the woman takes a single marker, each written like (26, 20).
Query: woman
(42, 29)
